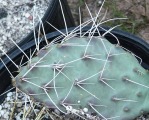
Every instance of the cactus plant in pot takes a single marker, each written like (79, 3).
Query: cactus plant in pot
(92, 72)
(75, 81)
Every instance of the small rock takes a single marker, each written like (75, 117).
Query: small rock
(36, 110)
(85, 110)
(2, 112)
(27, 15)
(8, 98)
(100, 2)
(15, 19)
(30, 17)
(19, 104)
(18, 117)
(7, 105)
(9, 94)
(6, 115)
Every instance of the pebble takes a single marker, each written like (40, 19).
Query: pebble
(18, 118)
(100, 2)
(30, 17)
(19, 104)
(8, 98)
(6, 105)
(36, 110)
(2, 112)
(4, 37)
(6, 115)
(9, 94)
(27, 15)
(85, 110)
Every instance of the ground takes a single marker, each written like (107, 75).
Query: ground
(137, 12)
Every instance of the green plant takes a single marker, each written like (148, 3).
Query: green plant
(87, 73)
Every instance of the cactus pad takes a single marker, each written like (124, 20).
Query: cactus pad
(88, 74)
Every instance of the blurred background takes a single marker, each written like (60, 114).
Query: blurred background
(137, 12)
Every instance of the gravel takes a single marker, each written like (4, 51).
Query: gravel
(14, 106)
(18, 105)
(16, 19)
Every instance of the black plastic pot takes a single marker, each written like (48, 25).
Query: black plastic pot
(54, 16)
(129, 41)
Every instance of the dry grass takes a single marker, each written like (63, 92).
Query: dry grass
(137, 12)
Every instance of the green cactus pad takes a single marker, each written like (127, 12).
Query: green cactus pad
(87, 73)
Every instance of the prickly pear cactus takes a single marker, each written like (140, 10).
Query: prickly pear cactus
(88, 74)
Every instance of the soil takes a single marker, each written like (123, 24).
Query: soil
(137, 12)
